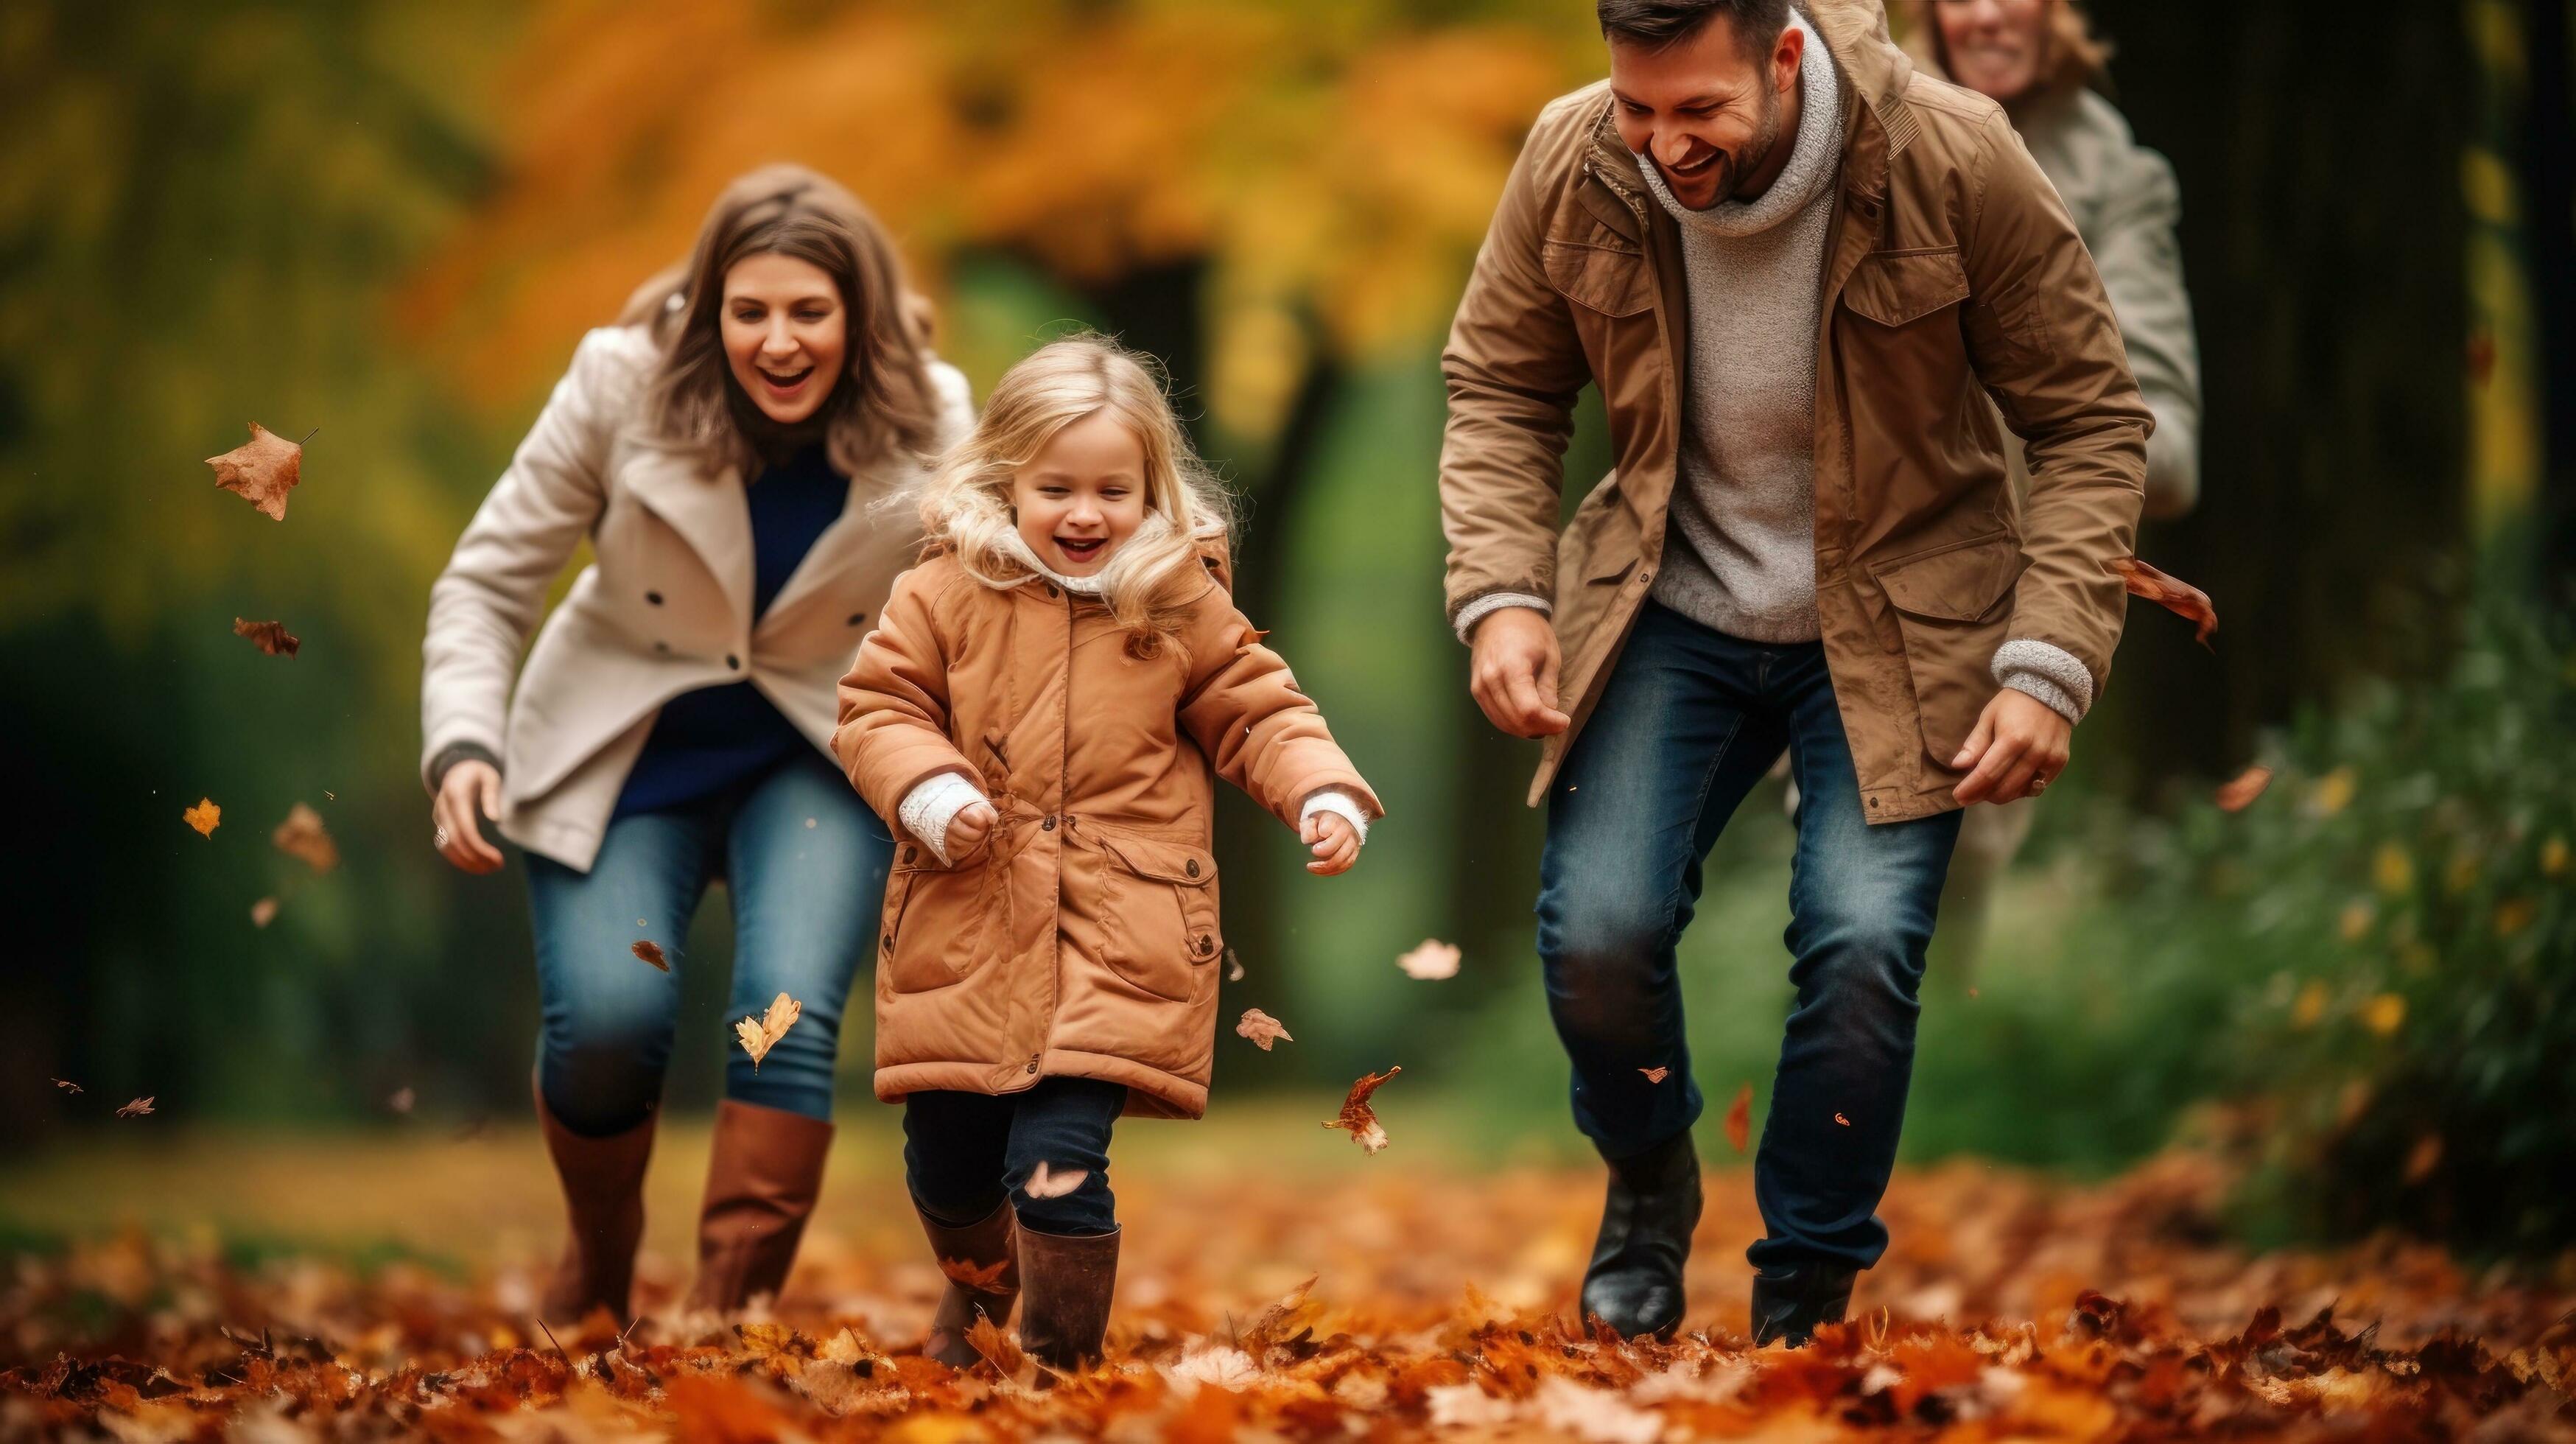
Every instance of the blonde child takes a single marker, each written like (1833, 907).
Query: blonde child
(1044, 707)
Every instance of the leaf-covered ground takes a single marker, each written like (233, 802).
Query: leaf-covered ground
(1439, 1306)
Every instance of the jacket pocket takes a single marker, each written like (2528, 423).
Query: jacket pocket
(1898, 288)
(937, 919)
(1612, 281)
(1953, 607)
(1159, 915)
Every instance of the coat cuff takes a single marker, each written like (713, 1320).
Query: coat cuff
(2048, 672)
(1340, 802)
(1492, 602)
(930, 807)
(451, 754)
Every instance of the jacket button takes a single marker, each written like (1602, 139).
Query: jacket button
(1049, 824)
(1204, 944)
(857, 617)
(1191, 867)
(907, 853)
(1051, 591)
(662, 647)
(654, 597)
(1033, 1065)
(889, 942)
(732, 662)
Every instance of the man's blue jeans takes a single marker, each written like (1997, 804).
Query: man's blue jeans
(1688, 721)
(806, 863)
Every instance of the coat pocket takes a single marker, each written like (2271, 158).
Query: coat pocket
(1898, 288)
(937, 919)
(1953, 606)
(1606, 279)
(1159, 915)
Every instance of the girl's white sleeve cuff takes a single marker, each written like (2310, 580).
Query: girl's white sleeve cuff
(931, 806)
(1341, 804)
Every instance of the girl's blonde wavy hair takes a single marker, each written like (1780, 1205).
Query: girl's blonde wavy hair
(1152, 577)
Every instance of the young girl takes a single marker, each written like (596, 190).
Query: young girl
(1042, 707)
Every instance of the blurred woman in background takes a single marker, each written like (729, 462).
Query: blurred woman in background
(719, 448)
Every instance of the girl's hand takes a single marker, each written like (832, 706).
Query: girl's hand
(469, 792)
(1335, 841)
(968, 829)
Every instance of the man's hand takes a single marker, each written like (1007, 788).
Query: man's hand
(968, 829)
(2019, 746)
(1335, 842)
(470, 792)
(1513, 672)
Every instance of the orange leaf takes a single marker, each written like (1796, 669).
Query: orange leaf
(1359, 1117)
(1739, 1119)
(1261, 1029)
(67, 1085)
(135, 1109)
(1838, 1118)
(1047, 1181)
(969, 1275)
(263, 470)
(205, 817)
(1432, 961)
(269, 637)
(651, 952)
(2238, 795)
(761, 1034)
(303, 837)
(1656, 1075)
(2178, 597)
(263, 912)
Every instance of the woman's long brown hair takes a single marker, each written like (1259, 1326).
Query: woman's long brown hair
(882, 407)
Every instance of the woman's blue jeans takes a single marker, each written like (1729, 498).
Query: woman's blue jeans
(1689, 720)
(806, 863)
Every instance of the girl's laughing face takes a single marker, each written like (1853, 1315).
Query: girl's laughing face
(1082, 494)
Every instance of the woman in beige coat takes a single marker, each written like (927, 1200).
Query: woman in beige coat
(720, 450)
(1045, 709)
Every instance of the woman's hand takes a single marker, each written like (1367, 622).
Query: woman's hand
(470, 792)
(968, 829)
(1335, 842)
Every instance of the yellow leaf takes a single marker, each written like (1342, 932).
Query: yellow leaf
(2392, 869)
(205, 817)
(2384, 1014)
(761, 1034)
(2311, 1005)
(2334, 792)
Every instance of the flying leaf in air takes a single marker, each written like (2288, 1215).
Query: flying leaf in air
(269, 637)
(1838, 1118)
(759, 1035)
(1359, 1117)
(1233, 967)
(205, 817)
(1047, 1181)
(135, 1109)
(1262, 1029)
(651, 952)
(67, 1085)
(303, 837)
(263, 470)
(1656, 1075)
(2178, 597)
(1431, 961)
(1739, 1119)
(263, 912)
(2239, 794)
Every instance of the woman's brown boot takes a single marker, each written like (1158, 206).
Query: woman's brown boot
(983, 1272)
(603, 1184)
(1065, 1283)
(766, 1170)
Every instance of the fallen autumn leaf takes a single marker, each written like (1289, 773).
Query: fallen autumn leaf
(205, 817)
(651, 952)
(1261, 1029)
(2240, 793)
(761, 1034)
(269, 637)
(261, 470)
(135, 1109)
(1048, 1181)
(2174, 595)
(303, 837)
(1358, 1117)
(1431, 961)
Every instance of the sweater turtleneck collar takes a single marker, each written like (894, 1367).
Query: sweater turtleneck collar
(1814, 155)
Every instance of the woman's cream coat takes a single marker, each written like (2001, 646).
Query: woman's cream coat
(665, 608)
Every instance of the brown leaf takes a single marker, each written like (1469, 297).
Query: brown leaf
(761, 1034)
(68, 1085)
(1000, 1350)
(2238, 795)
(1431, 961)
(303, 837)
(135, 1109)
(1361, 1119)
(1739, 1119)
(269, 637)
(263, 912)
(1656, 1075)
(205, 817)
(1838, 1118)
(263, 470)
(1048, 1181)
(2178, 597)
(1261, 1028)
(967, 1274)
(651, 952)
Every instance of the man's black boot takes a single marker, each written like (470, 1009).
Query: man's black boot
(1788, 1303)
(1635, 1282)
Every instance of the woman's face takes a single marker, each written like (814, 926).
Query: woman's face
(1082, 494)
(1996, 47)
(786, 334)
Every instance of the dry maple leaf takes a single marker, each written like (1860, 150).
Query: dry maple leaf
(269, 637)
(135, 1109)
(651, 952)
(2239, 794)
(967, 1274)
(1001, 1351)
(1047, 1181)
(67, 1085)
(263, 912)
(303, 837)
(1838, 1118)
(1739, 1118)
(1431, 961)
(263, 470)
(1361, 1119)
(1261, 1029)
(759, 1035)
(1656, 1075)
(2178, 597)
(205, 817)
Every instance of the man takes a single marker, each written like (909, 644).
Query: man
(1796, 270)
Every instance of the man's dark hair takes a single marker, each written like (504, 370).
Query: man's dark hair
(1659, 23)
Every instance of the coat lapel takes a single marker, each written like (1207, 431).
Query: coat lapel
(708, 512)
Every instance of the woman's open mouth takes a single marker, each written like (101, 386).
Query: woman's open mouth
(1083, 550)
(784, 383)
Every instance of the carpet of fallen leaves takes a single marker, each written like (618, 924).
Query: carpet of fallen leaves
(1377, 1303)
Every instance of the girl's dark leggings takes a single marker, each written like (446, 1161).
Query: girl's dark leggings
(963, 1153)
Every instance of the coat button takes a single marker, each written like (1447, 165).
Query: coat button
(1049, 824)
(654, 597)
(889, 942)
(907, 853)
(857, 617)
(1033, 1065)
(1191, 867)
(1051, 591)
(1204, 944)
(732, 662)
